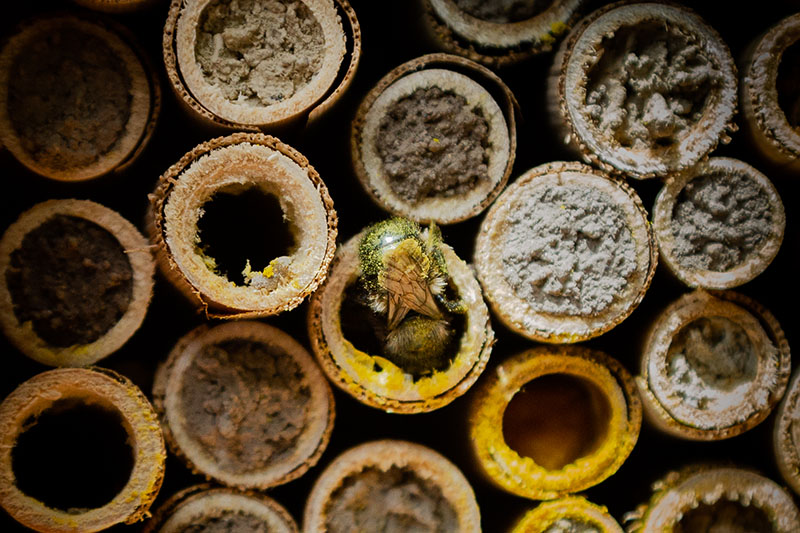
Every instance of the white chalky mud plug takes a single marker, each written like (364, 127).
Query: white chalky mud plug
(645, 89)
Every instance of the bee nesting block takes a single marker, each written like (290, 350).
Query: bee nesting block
(645, 89)
(209, 509)
(552, 421)
(718, 225)
(108, 462)
(717, 499)
(770, 94)
(348, 337)
(420, 488)
(76, 280)
(245, 404)
(565, 253)
(572, 514)
(434, 140)
(206, 207)
(498, 33)
(77, 99)
(713, 366)
(263, 65)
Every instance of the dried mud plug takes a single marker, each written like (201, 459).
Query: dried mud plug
(645, 88)
(713, 366)
(401, 324)
(572, 514)
(716, 499)
(391, 485)
(554, 420)
(78, 99)
(76, 280)
(244, 404)
(80, 451)
(565, 253)
(204, 508)
(718, 225)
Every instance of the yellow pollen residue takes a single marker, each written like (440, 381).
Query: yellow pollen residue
(268, 271)
(435, 140)
(558, 27)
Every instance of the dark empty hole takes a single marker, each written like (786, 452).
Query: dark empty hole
(367, 331)
(242, 226)
(73, 456)
(724, 515)
(556, 419)
(788, 84)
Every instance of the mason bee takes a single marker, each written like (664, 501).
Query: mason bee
(405, 276)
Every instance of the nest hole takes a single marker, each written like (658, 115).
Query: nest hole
(556, 419)
(724, 515)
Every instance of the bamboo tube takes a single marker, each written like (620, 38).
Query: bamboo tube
(556, 224)
(78, 98)
(244, 404)
(56, 502)
(76, 280)
(551, 421)
(313, 41)
(769, 102)
(673, 118)
(718, 225)
(361, 367)
(205, 506)
(494, 34)
(241, 169)
(716, 499)
(448, 166)
(785, 436)
(713, 366)
(572, 514)
(391, 483)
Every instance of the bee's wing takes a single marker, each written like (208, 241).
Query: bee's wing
(405, 279)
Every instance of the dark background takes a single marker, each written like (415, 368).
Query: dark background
(391, 36)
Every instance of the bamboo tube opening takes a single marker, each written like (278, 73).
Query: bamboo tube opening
(239, 178)
(391, 486)
(713, 366)
(681, 113)
(434, 140)
(720, 224)
(411, 384)
(565, 253)
(770, 98)
(76, 99)
(210, 509)
(572, 514)
(557, 419)
(80, 451)
(717, 499)
(76, 282)
(590, 416)
(243, 403)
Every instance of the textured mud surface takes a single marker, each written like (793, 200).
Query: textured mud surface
(708, 358)
(650, 85)
(719, 221)
(724, 517)
(229, 522)
(71, 279)
(567, 250)
(395, 501)
(245, 403)
(431, 144)
(259, 52)
(68, 99)
(503, 11)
